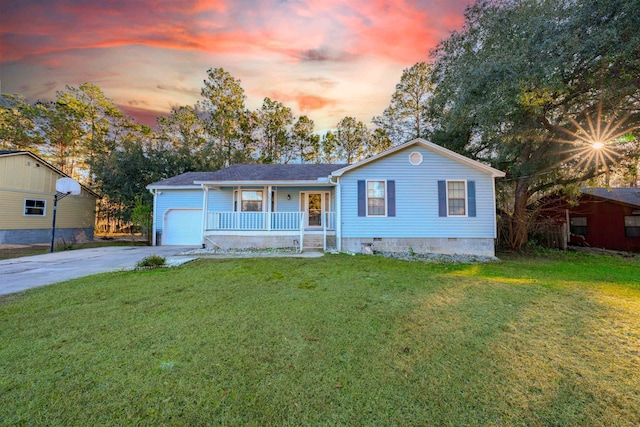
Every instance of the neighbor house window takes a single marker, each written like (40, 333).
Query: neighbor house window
(376, 198)
(632, 226)
(34, 207)
(251, 201)
(578, 226)
(456, 198)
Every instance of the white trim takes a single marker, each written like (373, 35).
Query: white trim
(238, 192)
(154, 218)
(205, 209)
(323, 208)
(431, 147)
(417, 162)
(262, 183)
(366, 198)
(494, 208)
(24, 207)
(173, 187)
(466, 198)
(252, 233)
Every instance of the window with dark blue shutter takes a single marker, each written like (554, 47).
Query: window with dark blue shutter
(442, 198)
(471, 195)
(362, 198)
(391, 198)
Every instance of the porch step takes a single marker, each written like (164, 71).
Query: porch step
(313, 243)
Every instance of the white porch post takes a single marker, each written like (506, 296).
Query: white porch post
(205, 209)
(268, 219)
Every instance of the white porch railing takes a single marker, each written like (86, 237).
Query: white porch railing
(259, 221)
(264, 221)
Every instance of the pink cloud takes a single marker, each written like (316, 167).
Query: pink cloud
(323, 56)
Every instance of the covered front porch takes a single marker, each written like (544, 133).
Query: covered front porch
(270, 217)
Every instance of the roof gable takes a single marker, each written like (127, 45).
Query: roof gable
(47, 164)
(431, 147)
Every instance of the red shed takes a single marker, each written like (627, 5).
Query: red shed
(607, 218)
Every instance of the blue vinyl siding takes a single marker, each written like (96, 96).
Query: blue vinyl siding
(416, 194)
(221, 200)
(176, 199)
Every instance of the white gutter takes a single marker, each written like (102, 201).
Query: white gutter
(261, 183)
(153, 229)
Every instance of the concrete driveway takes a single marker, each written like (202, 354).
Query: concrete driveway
(18, 274)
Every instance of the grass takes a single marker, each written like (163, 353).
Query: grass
(338, 340)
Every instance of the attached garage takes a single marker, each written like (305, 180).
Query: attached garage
(182, 227)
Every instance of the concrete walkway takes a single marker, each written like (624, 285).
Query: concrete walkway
(18, 274)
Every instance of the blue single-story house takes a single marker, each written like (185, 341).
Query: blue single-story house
(417, 196)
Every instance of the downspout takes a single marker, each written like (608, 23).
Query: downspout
(205, 211)
(338, 213)
(153, 218)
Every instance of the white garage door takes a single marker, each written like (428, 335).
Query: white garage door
(182, 227)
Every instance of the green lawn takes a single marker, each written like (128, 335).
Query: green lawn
(338, 340)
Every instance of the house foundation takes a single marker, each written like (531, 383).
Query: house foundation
(446, 246)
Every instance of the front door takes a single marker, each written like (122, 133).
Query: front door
(314, 209)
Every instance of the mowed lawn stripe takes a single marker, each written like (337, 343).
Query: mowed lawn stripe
(338, 340)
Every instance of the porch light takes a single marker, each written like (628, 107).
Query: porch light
(288, 196)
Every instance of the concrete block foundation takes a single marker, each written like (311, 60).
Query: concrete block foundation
(256, 242)
(450, 246)
(34, 236)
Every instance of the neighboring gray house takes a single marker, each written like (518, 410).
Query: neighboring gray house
(416, 195)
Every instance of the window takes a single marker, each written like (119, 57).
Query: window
(578, 226)
(632, 226)
(415, 158)
(251, 201)
(456, 198)
(34, 207)
(376, 205)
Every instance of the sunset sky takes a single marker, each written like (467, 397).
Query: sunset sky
(323, 58)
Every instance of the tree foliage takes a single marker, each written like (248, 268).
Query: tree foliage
(406, 118)
(274, 121)
(529, 85)
(223, 105)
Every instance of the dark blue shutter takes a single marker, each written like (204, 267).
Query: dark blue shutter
(362, 198)
(471, 195)
(442, 198)
(391, 198)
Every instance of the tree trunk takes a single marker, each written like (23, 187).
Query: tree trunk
(519, 227)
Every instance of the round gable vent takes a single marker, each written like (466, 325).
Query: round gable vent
(415, 158)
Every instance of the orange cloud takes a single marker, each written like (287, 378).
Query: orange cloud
(306, 102)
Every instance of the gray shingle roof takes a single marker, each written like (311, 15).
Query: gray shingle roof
(266, 173)
(630, 196)
(3, 152)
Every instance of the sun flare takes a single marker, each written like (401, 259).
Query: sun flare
(593, 142)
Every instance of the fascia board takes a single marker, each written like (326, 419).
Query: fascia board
(173, 187)
(280, 183)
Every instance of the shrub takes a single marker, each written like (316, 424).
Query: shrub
(152, 261)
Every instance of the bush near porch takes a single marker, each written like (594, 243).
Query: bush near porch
(338, 340)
